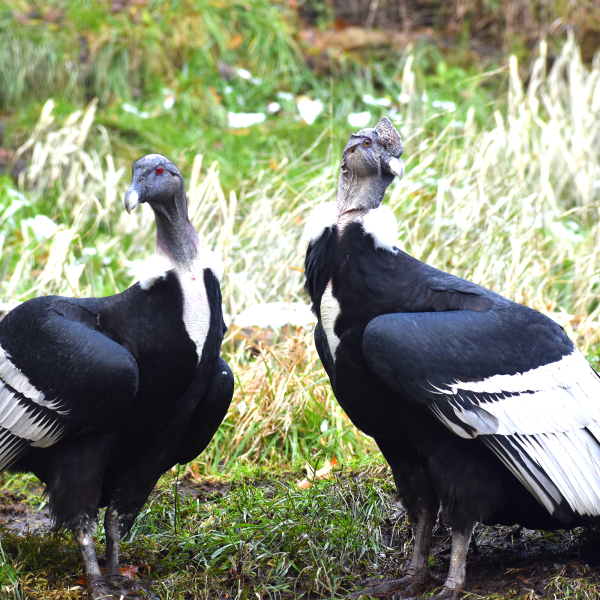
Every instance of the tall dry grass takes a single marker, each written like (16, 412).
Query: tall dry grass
(512, 206)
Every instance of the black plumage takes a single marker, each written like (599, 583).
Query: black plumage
(100, 396)
(479, 404)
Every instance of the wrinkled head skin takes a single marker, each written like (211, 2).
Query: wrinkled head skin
(154, 179)
(370, 161)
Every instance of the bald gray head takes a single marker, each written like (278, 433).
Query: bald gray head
(370, 161)
(157, 181)
(154, 179)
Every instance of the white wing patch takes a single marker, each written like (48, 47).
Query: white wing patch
(22, 423)
(380, 223)
(11, 375)
(553, 398)
(330, 309)
(552, 424)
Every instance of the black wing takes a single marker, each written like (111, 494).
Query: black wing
(208, 414)
(511, 377)
(57, 374)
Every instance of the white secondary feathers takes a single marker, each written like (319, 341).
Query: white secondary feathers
(20, 423)
(11, 375)
(552, 424)
(556, 397)
(380, 223)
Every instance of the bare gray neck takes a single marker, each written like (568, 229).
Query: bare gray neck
(175, 235)
(357, 195)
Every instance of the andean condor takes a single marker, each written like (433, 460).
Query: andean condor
(478, 404)
(100, 396)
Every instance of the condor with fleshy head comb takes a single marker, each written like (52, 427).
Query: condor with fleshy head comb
(100, 396)
(479, 404)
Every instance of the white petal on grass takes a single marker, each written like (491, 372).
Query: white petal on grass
(403, 98)
(237, 120)
(276, 314)
(273, 107)
(42, 226)
(444, 105)
(244, 74)
(169, 102)
(360, 119)
(90, 251)
(134, 111)
(285, 96)
(368, 99)
(309, 109)
(228, 89)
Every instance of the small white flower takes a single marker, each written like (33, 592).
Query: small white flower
(244, 74)
(228, 89)
(309, 109)
(169, 102)
(403, 98)
(285, 96)
(273, 107)
(324, 426)
(360, 119)
(444, 105)
(237, 120)
(368, 99)
(134, 111)
(90, 251)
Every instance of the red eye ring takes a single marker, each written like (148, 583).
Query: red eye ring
(159, 170)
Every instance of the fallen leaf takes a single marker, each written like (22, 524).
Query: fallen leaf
(127, 572)
(235, 41)
(322, 473)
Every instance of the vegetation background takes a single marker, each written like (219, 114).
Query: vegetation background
(498, 106)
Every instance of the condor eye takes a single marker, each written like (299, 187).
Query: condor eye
(159, 170)
(366, 143)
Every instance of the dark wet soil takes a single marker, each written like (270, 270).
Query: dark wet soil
(516, 562)
(17, 515)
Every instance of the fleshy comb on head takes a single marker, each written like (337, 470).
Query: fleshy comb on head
(389, 137)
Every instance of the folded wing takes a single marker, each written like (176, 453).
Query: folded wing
(510, 378)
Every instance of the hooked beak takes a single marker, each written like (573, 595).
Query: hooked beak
(396, 166)
(132, 199)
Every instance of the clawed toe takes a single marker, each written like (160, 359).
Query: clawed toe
(406, 586)
(447, 594)
(117, 587)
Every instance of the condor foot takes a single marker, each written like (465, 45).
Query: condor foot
(117, 587)
(447, 594)
(405, 587)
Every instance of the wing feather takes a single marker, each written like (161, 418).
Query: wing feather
(534, 400)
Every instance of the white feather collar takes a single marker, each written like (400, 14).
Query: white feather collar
(380, 223)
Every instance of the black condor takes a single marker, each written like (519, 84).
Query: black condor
(100, 396)
(478, 404)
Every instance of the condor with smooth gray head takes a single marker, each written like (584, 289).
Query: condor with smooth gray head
(139, 373)
(477, 403)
